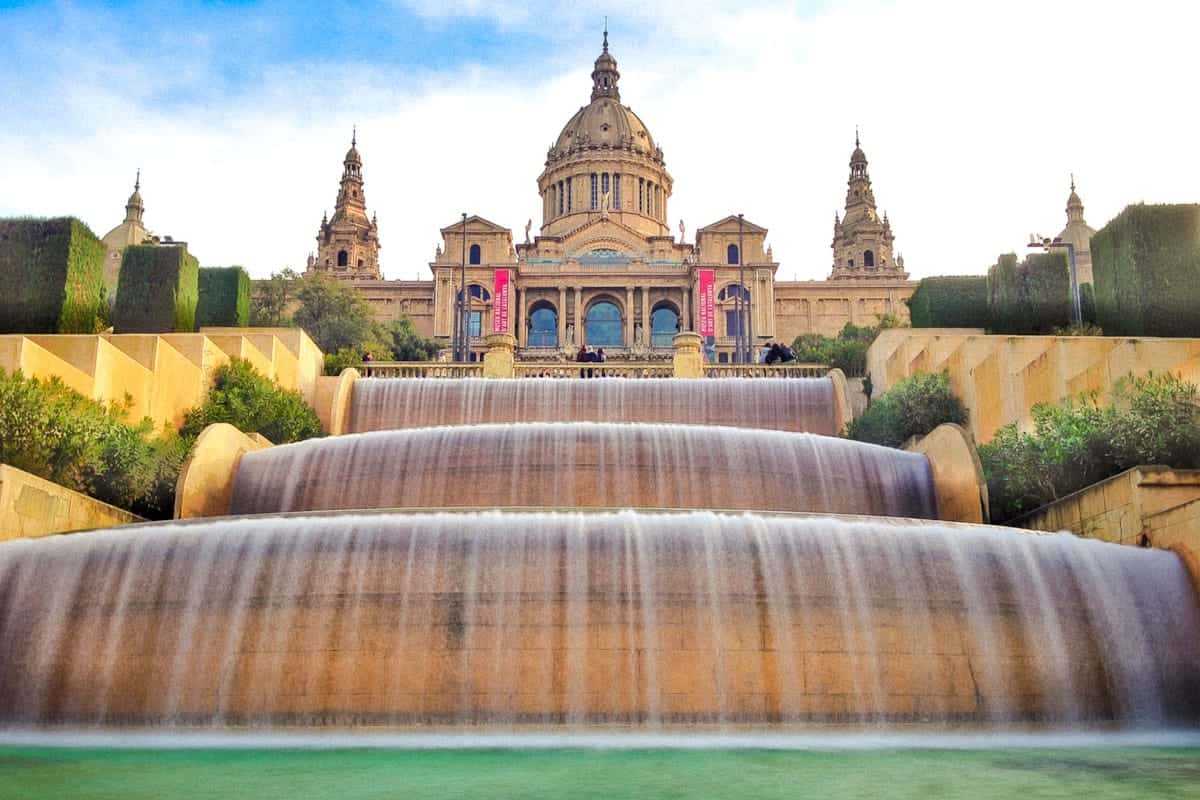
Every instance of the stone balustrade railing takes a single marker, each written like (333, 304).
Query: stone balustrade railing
(609, 369)
(419, 369)
(766, 370)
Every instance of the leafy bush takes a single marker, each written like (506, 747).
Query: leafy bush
(58, 434)
(157, 290)
(1146, 271)
(51, 277)
(224, 297)
(913, 407)
(957, 301)
(1032, 297)
(848, 351)
(332, 313)
(254, 404)
(1151, 420)
(408, 345)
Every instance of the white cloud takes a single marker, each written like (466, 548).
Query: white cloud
(972, 115)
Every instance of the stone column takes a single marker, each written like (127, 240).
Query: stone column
(562, 316)
(579, 334)
(685, 310)
(646, 313)
(521, 333)
(629, 316)
(689, 363)
(498, 360)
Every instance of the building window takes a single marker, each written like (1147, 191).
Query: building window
(850, 263)
(604, 183)
(543, 326)
(570, 195)
(722, 358)
(560, 197)
(474, 257)
(476, 323)
(641, 194)
(664, 324)
(868, 259)
(733, 292)
(343, 258)
(731, 255)
(477, 292)
(360, 263)
(733, 321)
(650, 199)
(604, 325)
(595, 193)
(616, 190)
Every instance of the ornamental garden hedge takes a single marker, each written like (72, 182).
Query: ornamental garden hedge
(1146, 271)
(955, 301)
(224, 297)
(51, 277)
(1033, 297)
(157, 290)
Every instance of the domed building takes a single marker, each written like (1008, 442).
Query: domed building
(604, 267)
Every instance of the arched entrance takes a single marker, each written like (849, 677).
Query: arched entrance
(664, 324)
(604, 325)
(543, 325)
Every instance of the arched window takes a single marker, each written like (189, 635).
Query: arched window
(543, 326)
(343, 258)
(851, 263)
(868, 259)
(732, 292)
(616, 191)
(570, 204)
(474, 257)
(604, 183)
(477, 292)
(641, 194)
(731, 255)
(604, 325)
(560, 197)
(360, 263)
(595, 192)
(664, 324)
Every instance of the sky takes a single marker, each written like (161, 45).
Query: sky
(973, 115)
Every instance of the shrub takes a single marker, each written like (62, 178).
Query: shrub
(51, 277)
(58, 434)
(848, 351)
(254, 404)
(157, 290)
(1033, 297)
(224, 294)
(332, 314)
(957, 301)
(913, 407)
(1151, 420)
(1146, 271)
(408, 345)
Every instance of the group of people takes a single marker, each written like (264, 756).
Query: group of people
(588, 355)
(777, 353)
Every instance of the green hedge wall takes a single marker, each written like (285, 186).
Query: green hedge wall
(954, 301)
(51, 277)
(1033, 297)
(1146, 271)
(224, 298)
(157, 290)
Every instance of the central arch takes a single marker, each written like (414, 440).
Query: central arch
(664, 324)
(603, 324)
(543, 325)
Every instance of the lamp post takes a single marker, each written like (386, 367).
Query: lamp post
(743, 302)
(464, 333)
(1048, 244)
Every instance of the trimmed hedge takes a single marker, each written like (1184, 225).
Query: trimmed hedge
(51, 277)
(1033, 297)
(1146, 271)
(224, 298)
(157, 290)
(956, 301)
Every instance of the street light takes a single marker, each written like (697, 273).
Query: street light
(464, 334)
(1048, 244)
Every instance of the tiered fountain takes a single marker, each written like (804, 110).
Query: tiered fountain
(583, 554)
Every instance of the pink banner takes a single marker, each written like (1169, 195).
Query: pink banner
(500, 322)
(707, 309)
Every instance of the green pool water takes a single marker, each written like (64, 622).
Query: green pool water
(127, 774)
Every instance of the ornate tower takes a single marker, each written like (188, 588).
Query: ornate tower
(1079, 234)
(862, 242)
(134, 207)
(348, 245)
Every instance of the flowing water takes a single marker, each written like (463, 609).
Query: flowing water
(791, 404)
(582, 464)
(582, 620)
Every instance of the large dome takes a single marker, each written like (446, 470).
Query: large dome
(604, 124)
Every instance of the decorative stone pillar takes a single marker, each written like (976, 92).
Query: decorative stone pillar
(498, 360)
(521, 331)
(646, 313)
(689, 363)
(562, 316)
(958, 482)
(629, 316)
(685, 310)
(579, 332)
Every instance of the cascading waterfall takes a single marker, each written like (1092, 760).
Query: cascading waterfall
(579, 464)
(787, 404)
(590, 618)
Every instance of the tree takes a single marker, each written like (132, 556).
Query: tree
(408, 345)
(332, 313)
(272, 300)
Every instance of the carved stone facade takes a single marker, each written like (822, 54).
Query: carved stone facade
(604, 268)
(348, 245)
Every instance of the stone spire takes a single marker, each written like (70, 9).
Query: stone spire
(862, 243)
(605, 75)
(134, 208)
(1074, 205)
(351, 201)
(348, 243)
